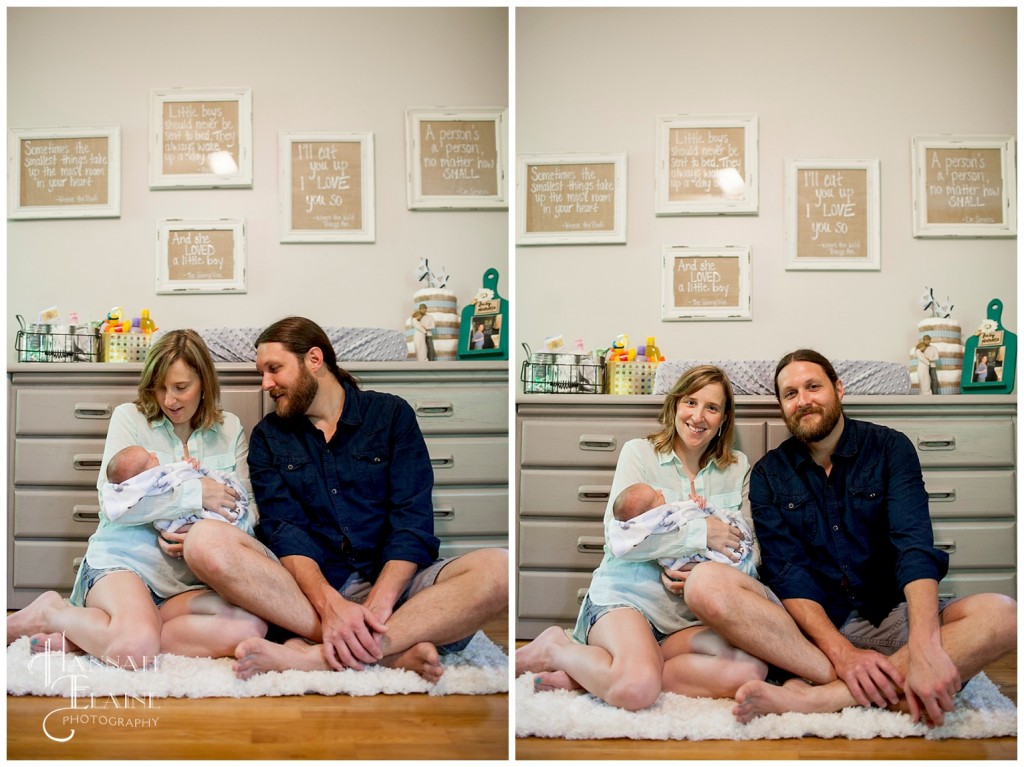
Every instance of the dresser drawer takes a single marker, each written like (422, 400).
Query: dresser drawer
(72, 411)
(552, 596)
(470, 511)
(973, 493)
(454, 547)
(469, 460)
(958, 441)
(562, 544)
(456, 409)
(977, 545)
(962, 584)
(55, 513)
(566, 442)
(565, 493)
(47, 564)
(42, 461)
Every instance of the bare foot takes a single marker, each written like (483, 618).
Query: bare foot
(52, 643)
(34, 619)
(536, 656)
(757, 698)
(421, 658)
(257, 655)
(555, 680)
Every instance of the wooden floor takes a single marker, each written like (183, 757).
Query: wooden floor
(307, 727)
(1003, 674)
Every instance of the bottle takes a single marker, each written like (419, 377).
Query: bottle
(146, 323)
(653, 352)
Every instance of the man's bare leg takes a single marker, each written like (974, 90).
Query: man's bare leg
(236, 566)
(734, 605)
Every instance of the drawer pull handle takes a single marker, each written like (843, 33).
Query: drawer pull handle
(85, 513)
(444, 512)
(76, 563)
(590, 545)
(943, 495)
(444, 462)
(936, 442)
(947, 595)
(97, 410)
(593, 493)
(86, 461)
(948, 547)
(435, 408)
(596, 442)
(581, 594)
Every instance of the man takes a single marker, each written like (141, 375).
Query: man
(343, 482)
(841, 516)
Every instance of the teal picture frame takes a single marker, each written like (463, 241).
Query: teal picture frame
(483, 328)
(990, 356)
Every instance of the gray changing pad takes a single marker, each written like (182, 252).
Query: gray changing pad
(350, 344)
(758, 376)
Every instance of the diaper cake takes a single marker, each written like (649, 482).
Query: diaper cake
(945, 336)
(442, 306)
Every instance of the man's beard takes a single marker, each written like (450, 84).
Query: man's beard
(299, 397)
(806, 431)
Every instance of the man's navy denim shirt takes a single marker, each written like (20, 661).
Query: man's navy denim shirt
(352, 504)
(850, 540)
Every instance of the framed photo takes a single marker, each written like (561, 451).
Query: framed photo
(964, 186)
(986, 364)
(64, 172)
(201, 138)
(327, 191)
(832, 215)
(483, 323)
(706, 165)
(200, 256)
(990, 356)
(457, 158)
(573, 198)
(705, 283)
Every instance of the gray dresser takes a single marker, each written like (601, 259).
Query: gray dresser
(57, 422)
(567, 447)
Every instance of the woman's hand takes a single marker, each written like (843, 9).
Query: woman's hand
(173, 544)
(675, 580)
(219, 498)
(724, 538)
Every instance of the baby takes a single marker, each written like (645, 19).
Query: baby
(134, 472)
(641, 511)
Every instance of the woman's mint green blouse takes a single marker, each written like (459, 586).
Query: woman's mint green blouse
(635, 578)
(130, 543)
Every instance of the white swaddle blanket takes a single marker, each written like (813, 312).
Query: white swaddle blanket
(119, 498)
(627, 535)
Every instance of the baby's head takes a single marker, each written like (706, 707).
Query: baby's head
(635, 500)
(130, 462)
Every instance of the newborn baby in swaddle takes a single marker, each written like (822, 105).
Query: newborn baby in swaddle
(640, 511)
(135, 472)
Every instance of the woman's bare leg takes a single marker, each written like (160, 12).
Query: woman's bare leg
(201, 624)
(700, 664)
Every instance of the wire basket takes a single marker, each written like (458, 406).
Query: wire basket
(39, 343)
(125, 347)
(562, 374)
(631, 377)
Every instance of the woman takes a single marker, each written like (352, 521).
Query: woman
(133, 599)
(635, 637)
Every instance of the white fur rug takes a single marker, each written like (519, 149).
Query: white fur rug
(480, 669)
(981, 712)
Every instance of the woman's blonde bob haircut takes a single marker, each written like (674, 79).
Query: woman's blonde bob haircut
(693, 380)
(188, 346)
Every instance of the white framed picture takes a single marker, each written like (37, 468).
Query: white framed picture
(457, 158)
(705, 282)
(64, 172)
(964, 186)
(200, 256)
(706, 165)
(201, 138)
(326, 186)
(832, 215)
(565, 199)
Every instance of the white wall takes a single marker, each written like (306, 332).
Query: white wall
(824, 83)
(309, 69)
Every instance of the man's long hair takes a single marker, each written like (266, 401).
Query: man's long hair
(298, 335)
